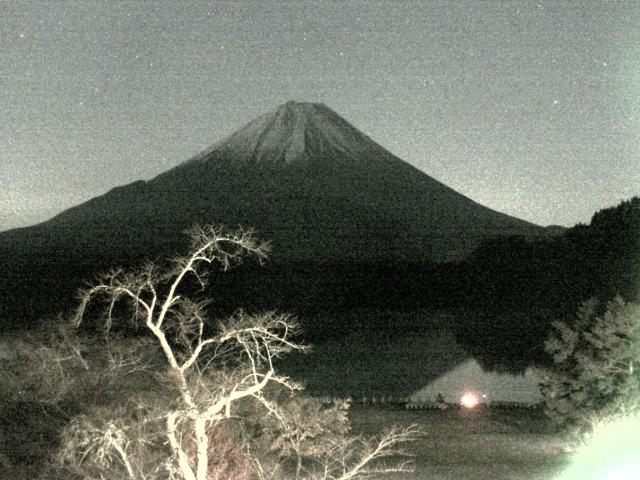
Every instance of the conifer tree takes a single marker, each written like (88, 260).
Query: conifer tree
(596, 363)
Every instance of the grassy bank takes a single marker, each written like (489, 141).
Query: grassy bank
(496, 444)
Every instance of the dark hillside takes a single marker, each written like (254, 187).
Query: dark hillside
(308, 181)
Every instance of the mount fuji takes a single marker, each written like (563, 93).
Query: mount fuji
(303, 177)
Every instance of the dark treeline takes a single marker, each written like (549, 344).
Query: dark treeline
(309, 289)
(601, 259)
(532, 280)
(520, 286)
(508, 292)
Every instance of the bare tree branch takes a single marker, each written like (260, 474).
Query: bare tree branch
(213, 376)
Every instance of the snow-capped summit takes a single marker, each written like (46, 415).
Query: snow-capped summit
(294, 132)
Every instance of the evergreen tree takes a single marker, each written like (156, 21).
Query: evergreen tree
(596, 358)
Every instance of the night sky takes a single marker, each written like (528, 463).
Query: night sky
(530, 108)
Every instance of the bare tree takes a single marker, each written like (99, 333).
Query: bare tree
(211, 375)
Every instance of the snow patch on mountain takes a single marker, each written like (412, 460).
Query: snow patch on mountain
(293, 132)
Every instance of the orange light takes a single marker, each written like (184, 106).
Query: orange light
(469, 400)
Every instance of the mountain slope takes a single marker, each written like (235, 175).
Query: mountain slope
(347, 220)
(304, 178)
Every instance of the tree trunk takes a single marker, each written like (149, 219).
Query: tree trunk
(202, 455)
